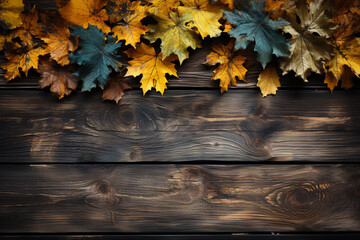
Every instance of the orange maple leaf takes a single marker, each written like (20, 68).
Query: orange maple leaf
(85, 12)
(231, 65)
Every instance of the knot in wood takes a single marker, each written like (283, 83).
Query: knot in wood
(102, 195)
(103, 187)
(192, 175)
(303, 201)
(127, 116)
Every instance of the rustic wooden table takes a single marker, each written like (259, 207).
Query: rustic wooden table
(191, 164)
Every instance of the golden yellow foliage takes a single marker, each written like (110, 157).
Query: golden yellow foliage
(58, 39)
(231, 65)
(30, 27)
(130, 13)
(175, 36)
(149, 64)
(203, 15)
(23, 60)
(85, 12)
(162, 8)
(10, 11)
(268, 81)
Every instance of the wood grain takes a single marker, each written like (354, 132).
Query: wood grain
(186, 198)
(236, 236)
(180, 126)
(178, 198)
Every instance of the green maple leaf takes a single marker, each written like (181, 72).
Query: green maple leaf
(251, 24)
(96, 56)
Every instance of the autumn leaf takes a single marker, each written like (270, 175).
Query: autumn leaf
(162, 8)
(347, 78)
(347, 54)
(2, 41)
(345, 59)
(277, 8)
(128, 15)
(25, 60)
(58, 40)
(95, 56)
(10, 11)
(115, 88)
(203, 15)
(30, 27)
(309, 30)
(351, 7)
(61, 80)
(231, 65)
(149, 64)
(61, 3)
(229, 3)
(348, 23)
(252, 25)
(268, 81)
(175, 36)
(86, 12)
(331, 81)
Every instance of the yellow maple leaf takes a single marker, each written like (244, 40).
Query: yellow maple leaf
(175, 36)
(346, 79)
(203, 15)
(231, 65)
(347, 54)
(30, 27)
(268, 81)
(85, 12)
(330, 80)
(128, 16)
(58, 39)
(161, 8)
(149, 64)
(24, 61)
(10, 11)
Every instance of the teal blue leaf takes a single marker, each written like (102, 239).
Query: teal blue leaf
(251, 24)
(96, 56)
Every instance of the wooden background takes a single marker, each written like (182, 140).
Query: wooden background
(191, 164)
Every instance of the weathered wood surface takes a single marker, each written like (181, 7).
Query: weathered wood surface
(236, 236)
(180, 126)
(44, 191)
(178, 198)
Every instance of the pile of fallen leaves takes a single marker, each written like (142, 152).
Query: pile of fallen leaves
(101, 42)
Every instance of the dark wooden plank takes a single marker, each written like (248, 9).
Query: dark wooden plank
(180, 126)
(178, 198)
(241, 236)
